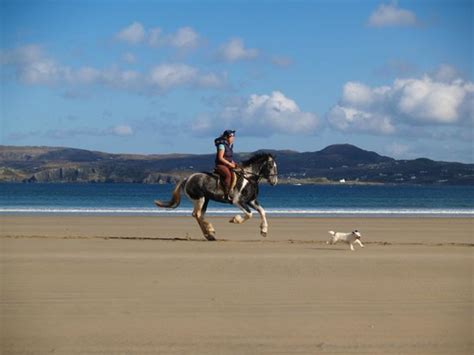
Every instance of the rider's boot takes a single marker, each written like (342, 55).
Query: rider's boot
(228, 195)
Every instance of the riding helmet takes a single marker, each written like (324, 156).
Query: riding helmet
(228, 133)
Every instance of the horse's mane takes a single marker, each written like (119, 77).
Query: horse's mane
(257, 158)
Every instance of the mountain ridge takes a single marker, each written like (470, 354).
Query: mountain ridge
(332, 164)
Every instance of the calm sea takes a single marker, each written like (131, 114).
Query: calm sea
(284, 200)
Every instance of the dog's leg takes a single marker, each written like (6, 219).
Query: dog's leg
(359, 242)
(352, 246)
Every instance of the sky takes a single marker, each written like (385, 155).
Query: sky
(159, 77)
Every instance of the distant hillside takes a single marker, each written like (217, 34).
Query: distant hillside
(329, 165)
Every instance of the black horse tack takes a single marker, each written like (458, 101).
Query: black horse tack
(202, 187)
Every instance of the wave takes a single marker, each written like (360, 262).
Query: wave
(231, 211)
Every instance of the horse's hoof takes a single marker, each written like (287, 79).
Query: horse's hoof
(210, 237)
(263, 234)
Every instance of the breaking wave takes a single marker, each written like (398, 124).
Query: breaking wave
(301, 212)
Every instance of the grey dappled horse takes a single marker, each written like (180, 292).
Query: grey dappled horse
(202, 187)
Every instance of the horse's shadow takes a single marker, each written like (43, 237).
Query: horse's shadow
(166, 239)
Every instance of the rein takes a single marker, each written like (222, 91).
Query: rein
(241, 172)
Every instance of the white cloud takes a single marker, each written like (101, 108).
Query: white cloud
(407, 102)
(426, 100)
(34, 67)
(445, 73)
(357, 94)
(391, 15)
(260, 115)
(68, 133)
(184, 38)
(22, 55)
(350, 119)
(234, 50)
(121, 130)
(133, 34)
(168, 76)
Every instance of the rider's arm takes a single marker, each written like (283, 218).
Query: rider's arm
(221, 159)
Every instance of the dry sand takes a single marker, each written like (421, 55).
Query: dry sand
(150, 285)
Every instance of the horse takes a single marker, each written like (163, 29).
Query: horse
(202, 187)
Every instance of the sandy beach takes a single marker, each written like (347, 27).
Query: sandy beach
(152, 285)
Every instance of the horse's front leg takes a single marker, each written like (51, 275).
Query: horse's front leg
(238, 219)
(264, 225)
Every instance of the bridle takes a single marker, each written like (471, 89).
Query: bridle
(248, 175)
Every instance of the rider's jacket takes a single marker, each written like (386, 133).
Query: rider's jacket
(228, 152)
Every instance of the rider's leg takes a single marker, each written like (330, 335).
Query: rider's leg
(226, 175)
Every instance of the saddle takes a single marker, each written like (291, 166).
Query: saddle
(220, 181)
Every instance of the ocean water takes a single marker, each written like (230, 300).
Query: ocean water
(281, 200)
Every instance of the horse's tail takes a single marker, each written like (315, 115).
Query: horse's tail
(332, 233)
(175, 198)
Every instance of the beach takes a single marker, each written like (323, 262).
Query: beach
(76, 284)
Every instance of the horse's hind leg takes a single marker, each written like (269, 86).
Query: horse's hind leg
(208, 231)
(209, 227)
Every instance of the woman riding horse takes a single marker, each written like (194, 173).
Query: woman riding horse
(224, 160)
(202, 187)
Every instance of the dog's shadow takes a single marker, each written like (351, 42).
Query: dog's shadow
(323, 248)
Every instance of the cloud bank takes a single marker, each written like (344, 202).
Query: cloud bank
(439, 99)
(234, 50)
(185, 38)
(392, 16)
(123, 130)
(259, 115)
(32, 66)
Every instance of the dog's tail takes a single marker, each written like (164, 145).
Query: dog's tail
(332, 233)
(175, 198)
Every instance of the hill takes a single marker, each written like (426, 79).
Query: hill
(329, 165)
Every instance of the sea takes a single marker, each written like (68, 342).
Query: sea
(281, 200)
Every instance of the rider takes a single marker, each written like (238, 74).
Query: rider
(224, 160)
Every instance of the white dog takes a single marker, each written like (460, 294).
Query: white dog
(349, 238)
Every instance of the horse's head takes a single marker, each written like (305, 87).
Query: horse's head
(264, 165)
(269, 170)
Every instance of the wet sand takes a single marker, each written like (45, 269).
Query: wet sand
(148, 285)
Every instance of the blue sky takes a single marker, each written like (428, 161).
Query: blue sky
(152, 77)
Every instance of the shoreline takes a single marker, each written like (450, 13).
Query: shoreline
(231, 211)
